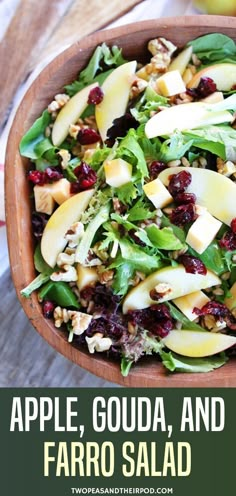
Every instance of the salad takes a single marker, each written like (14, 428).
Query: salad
(133, 171)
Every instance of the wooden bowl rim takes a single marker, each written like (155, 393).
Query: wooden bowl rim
(151, 374)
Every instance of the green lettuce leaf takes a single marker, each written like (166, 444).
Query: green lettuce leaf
(212, 258)
(163, 238)
(174, 148)
(220, 140)
(34, 144)
(180, 317)
(130, 148)
(177, 363)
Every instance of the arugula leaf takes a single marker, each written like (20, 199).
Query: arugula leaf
(180, 317)
(163, 238)
(174, 148)
(212, 258)
(130, 147)
(177, 363)
(34, 144)
(103, 56)
(214, 47)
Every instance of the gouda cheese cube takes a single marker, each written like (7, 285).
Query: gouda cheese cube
(157, 193)
(171, 83)
(187, 303)
(44, 202)
(60, 190)
(117, 172)
(202, 232)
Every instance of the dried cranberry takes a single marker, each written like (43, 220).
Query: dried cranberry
(96, 95)
(233, 225)
(183, 214)
(155, 168)
(37, 177)
(53, 173)
(120, 127)
(39, 222)
(88, 136)
(193, 265)
(86, 178)
(179, 182)
(183, 198)
(156, 319)
(213, 308)
(228, 241)
(48, 309)
(206, 87)
(137, 240)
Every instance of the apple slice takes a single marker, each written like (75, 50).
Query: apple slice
(116, 90)
(213, 190)
(180, 62)
(224, 76)
(183, 117)
(53, 239)
(180, 282)
(69, 114)
(197, 344)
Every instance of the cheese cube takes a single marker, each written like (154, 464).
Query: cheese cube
(60, 190)
(230, 302)
(171, 83)
(117, 172)
(44, 202)
(157, 193)
(187, 303)
(202, 232)
(87, 276)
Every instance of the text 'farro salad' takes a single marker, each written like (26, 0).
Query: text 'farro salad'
(134, 181)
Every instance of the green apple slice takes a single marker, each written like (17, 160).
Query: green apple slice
(213, 190)
(180, 62)
(181, 283)
(223, 75)
(69, 114)
(53, 240)
(116, 90)
(183, 117)
(197, 344)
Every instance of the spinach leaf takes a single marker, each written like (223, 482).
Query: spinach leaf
(39, 262)
(179, 233)
(212, 258)
(180, 317)
(31, 144)
(124, 272)
(214, 47)
(59, 292)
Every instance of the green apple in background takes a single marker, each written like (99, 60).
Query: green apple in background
(221, 7)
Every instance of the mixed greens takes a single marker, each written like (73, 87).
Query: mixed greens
(133, 170)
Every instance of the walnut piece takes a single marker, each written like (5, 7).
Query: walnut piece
(68, 274)
(74, 234)
(98, 343)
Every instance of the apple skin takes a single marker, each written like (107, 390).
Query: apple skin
(218, 7)
(180, 281)
(116, 90)
(183, 117)
(69, 114)
(213, 190)
(197, 344)
(224, 76)
(53, 240)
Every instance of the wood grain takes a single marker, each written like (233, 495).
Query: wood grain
(83, 18)
(28, 32)
(62, 70)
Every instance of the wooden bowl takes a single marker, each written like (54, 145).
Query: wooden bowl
(133, 39)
